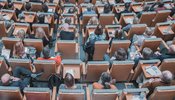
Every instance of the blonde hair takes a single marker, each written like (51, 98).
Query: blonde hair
(18, 49)
(93, 21)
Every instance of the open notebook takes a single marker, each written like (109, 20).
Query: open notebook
(153, 70)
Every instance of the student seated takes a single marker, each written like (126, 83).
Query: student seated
(40, 34)
(129, 24)
(69, 82)
(41, 19)
(7, 23)
(46, 56)
(19, 51)
(105, 82)
(160, 6)
(126, 10)
(89, 10)
(45, 8)
(138, 39)
(28, 6)
(165, 79)
(16, 79)
(65, 33)
(107, 9)
(119, 55)
(20, 34)
(172, 15)
(97, 35)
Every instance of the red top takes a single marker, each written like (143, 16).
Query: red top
(57, 59)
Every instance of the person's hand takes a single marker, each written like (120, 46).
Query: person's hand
(157, 53)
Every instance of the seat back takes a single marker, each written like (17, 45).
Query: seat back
(121, 68)
(68, 48)
(146, 18)
(48, 67)
(3, 66)
(36, 7)
(161, 16)
(10, 93)
(106, 19)
(3, 29)
(163, 93)
(119, 44)
(10, 42)
(71, 94)
(152, 43)
(73, 66)
(24, 26)
(95, 69)
(136, 29)
(31, 93)
(168, 64)
(44, 26)
(105, 94)
(36, 43)
(26, 63)
(125, 18)
(86, 18)
(100, 49)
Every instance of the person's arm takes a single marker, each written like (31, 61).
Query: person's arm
(21, 71)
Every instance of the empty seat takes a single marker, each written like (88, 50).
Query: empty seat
(10, 42)
(107, 19)
(146, 18)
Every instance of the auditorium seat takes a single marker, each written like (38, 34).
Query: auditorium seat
(24, 26)
(48, 67)
(168, 64)
(163, 93)
(126, 18)
(10, 93)
(121, 68)
(3, 66)
(68, 48)
(94, 69)
(71, 94)
(10, 42)
(86, 18)
(35, 6)
(107, 19)
(5, 32)
(100, 49)
(137, 29)
(116, 44)
(35, 93)
(146, 18)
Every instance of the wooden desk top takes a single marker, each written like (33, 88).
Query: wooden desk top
(29, 17)
(18, 5)
(7, 15)
(128, 18)
(163, 29)
(100, 9)
(120, 8)
(137, 8)
(48, 19)
(143, 66)
(73, 69)
(52, 8)
(3, 3)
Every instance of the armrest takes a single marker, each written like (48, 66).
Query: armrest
(51, 32)
(116, 20)
(84, 68)
(88, 93)
(58, 69)
(77, 48)
(33, 69)
(54, 93)
(10, 30)
(131, 75)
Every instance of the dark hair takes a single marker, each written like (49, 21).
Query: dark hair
(46, 53)
(72, 10)
(68, 20)
(118, 34)
(172, 11)
(107, 8)
(121, 54)
(10, 5)
(89, 8)
(106, 79)
(67, 1)
(146, 8)
(160, 4)
(127, 5)
(41, 18)
(99, 30)
(69, 80)
(147, 53)
(28, 6)
(45, 8)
